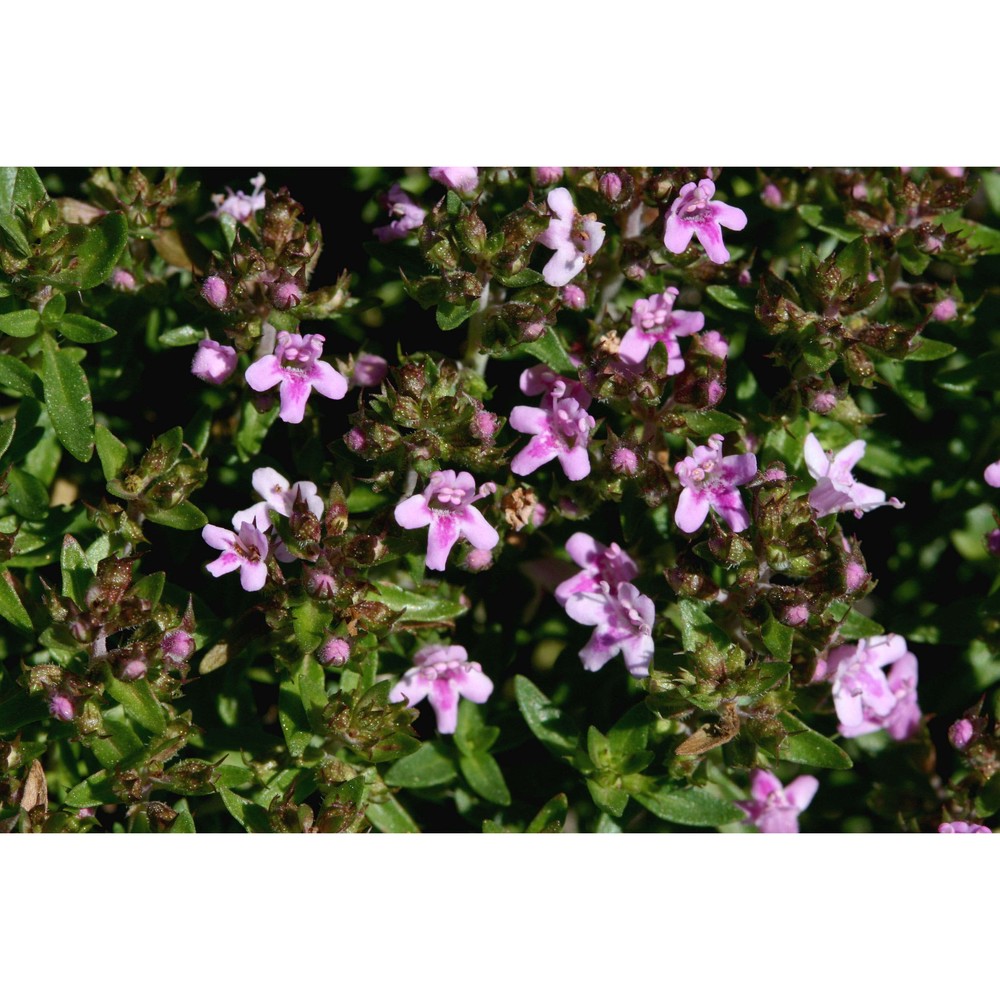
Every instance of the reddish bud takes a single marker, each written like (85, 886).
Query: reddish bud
(214, 291)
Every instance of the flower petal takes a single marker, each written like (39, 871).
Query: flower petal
(226, 563)
(327, 381)
(443, 696)
(441, 538)
(575, 463)
(413, 512)
(475, 527)
(265, 374)
(294, 392)
(817, 461)
(253, 575)
(412, 687)
(218, 538)
(529, 419)
(692, 509)
(474, 685)
(677, 234)
(800, 792)
(539, 450)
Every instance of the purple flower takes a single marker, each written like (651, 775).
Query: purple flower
(442, 674)
(215, 291)
(653, 321)
(406, 214)
(600, 564)
(624, 461)
(961, 733)
(992, 474)
(574, 297)
(710, 481)
(177, 645)
(542, 380)
(61, 707)
(462, 179)
(561, 429)
(772, 808)
(369, 370)
(245, 550)
(865, 699)
(239, 205)
(279, 495)
(959, 827)
(574, 237)
(836, 489)
(715, 343)
(286, 295)
(335, 652)
(693, 213)
(297, 367)
(446, 506)
(213, 362)
(944, 311)
(623, 620)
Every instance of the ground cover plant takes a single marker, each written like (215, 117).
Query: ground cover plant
(499, 499)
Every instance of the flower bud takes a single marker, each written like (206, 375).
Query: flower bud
(574, 297)
(214, 291)
(484, 425)
(624, 461)
(213, 362)
(744, 279)
(715, 343)
(319, 581)
(945, 311)
(134, 669)
(714, 391)
(478, 559)
(548, 175)
(610, 185)
(369, 370)
(771, 196)
(287, 295)
(122, 280)
(993, 543)
(334, 653)
(61, 707)
(796, 615)
(355, 439)
(176, 646)
(961, 734)
(823, 402)
(856, 575)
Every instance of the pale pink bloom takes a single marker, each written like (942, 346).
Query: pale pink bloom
(654, 320)
(715, 343)
(245, 550)
(574, 237)
(443, 674)
(623, 620)
(239, 205)
(478, 559)
(771, 196)
(600, 564)
(561, 429)
(213, 362)
(836, 489)
(540, 380)
(944, 311)
(134, 669)
(773, 808)
(610, 185)
(462, 179)
(960, 827)
(710, 482)
(369, 371)
(406, 215)
(954, 171)
(279, 495)
(446, 508)
(992, 474)
(298, 369)
(693, 213)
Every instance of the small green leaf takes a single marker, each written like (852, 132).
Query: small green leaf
(67, 398)
(803, 745)
(138, 700)
(550, 350)
(856, 626)
(11, 608)
(451, 315)
(777, 638)
(483, 774)
(630, 734)
(11, 225)
(390, 817)
(711, 422)
(551, 817)
(20, 187)
(253, 429)
(688, 806)
(608, 798)
(182, 336)
(309, 622)
(83, 329)
(112, 452)
(925, 349)
(91, 253)
(435, 606)
(523, 279)
(76, 573)
(54, 309)
(7, 428)
(16, 375)
(293, 719)
(27, 495)
(252, 817)
(472, 735)
(553, 729)
(428, 767)
(184, 516)
(22, 323)
(742, 300)
(91, 792)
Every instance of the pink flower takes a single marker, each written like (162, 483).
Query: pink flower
(653, 320)
(215, 291)
(134, 669)
(992, 474)
(335, 652)
(239, 205)
(406, 215)
(836, 489)
(623, 620)
(710, 482)
(624, 461)
(715, 343)
(369, 370)
(610, 185)
(286, 295)
(694, 214)
(865, 699)
(122, 280)
(462, 179)
(177, 645)
(574, 297)
(442, 674)
(61, 707)
(245, 550)
(944, 311)
(959, 827)
(279, 495)
(446, 507)
(600, 564)
(961, 733)
(574, 237)
(561, 429)
(542, 380)
(772, 808)
(297, 367)
(213, 362)
(771, 196)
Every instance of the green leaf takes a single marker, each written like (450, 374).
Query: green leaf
(182, 336)
(83, 329)
(22, 323)
(390, 817)
(252, 817)
(451, 315)
(184, 516)
(11, 225)
(483, 774)
(54, 309)
(767, 674)
(420, 607)
(11, 607)
(16, 375)
(7, 428)
(292, 716)
(980, 238)
(20, 187)
(91, 253)
(608, 798)
(138, 700)
(91, 792)
(856, 626)
(523, 279)
(549, 725)
(551, 817)
(183, 824)
(925, 349)
(253, 429)
(67, 398)
(697, 628)
(689, 806)
(309, 622)
(711, 422)
(550, 350)
(777, 638)
(76, 574)
(27, 495)
(742, 300)
(630, 734)
(803, 745)
(472, 735)
(428, 767)
(112, 452)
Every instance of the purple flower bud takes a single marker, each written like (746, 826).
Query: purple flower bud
(856, 575)
(574, 297)
(859, 192)
(319, 582)
(945, 311)
(176, 646)
(287, 295)
(122, 280)
(624, 461)
(61, 707)
(635, 271)
(134, 669)
(610, 185)
(744, 278)
(478, 560)
(931, 243)
(484, 425)
(993, 543)
(715, 343)
(355, 439)
(961, 734)
(991, 474)
(823, 402)
(797, 614)
(548, 175)
(714, 392)
(214, 291)
(334, 653)
(771, 196)
(369, 370)
(775, 475)
(213, 362)
(87, 813)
